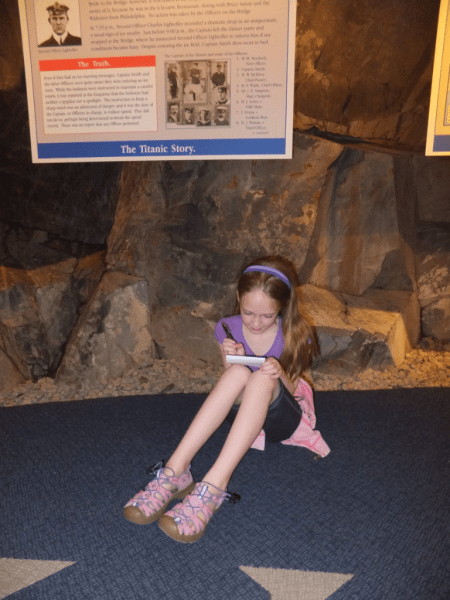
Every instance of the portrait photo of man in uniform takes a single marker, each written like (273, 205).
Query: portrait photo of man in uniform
(188, 116)
(172, 77)
(218, 77)
(194, 77)
(223, 95)
(221, 119)
(58, 18)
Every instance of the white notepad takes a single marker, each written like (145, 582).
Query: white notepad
(254, 361)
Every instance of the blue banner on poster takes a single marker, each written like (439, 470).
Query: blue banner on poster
(140, 148)
(441, 143)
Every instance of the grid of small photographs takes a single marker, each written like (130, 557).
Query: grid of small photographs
(198, 93)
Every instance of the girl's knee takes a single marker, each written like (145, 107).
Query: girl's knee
(241, 368)
(240, 371)
(262, 379)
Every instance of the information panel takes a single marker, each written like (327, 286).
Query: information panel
(150, 79)
(438, 136)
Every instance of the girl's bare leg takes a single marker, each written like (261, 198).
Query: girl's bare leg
(249, 420)
(212, 414)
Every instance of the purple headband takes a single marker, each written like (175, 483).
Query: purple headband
(271, 271)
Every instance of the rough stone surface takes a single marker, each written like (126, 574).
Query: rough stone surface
(364, 68)
(432, 181)
(113, 333)
(436, 319)
(42, 288)
(433, 262)
(37, 312)
(11, 57)
(87, 274)
(10, 375)
(360, 237)
(183, 335)
(374, 330)
(433, 278)
(426, 366)
(73, 201)
(189, 228)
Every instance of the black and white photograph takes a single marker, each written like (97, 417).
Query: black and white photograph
(58, 24)
(198, 88)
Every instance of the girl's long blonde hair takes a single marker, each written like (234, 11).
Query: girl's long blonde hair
(300, 340)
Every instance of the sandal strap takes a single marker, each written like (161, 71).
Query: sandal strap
(156, 494)
(232, 497)
(153, 469)
(201, 500)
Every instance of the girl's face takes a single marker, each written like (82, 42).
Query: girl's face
(258, 311)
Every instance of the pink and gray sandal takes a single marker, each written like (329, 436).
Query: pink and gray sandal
(187, 521)
(149, 504)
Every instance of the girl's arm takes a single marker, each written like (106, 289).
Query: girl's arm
(274, 370)
(230, 347)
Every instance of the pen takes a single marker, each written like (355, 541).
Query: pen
(228, 332)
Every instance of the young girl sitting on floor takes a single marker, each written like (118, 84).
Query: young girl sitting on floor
(268, 323)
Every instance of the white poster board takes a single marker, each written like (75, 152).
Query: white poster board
(117, 80)
(438, 135)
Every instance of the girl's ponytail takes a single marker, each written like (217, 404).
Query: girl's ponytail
(300, 339)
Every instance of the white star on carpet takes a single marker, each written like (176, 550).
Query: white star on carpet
(16, 574)
(287, 584)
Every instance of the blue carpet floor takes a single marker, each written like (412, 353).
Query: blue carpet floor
(378, 507)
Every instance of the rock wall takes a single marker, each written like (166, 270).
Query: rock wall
(112, 335)
(359, 209)
(345, 217)
(364, 233)
(44, 285)
(364, 69)
(189, 227)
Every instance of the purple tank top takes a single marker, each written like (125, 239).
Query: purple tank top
(235, 325)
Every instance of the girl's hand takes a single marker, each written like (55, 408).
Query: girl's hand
(231, 347)
(272, 368)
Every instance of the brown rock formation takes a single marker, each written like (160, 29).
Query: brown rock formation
(113, 333)
(375, 330)
(364, 69)
(188, 228)
(364, 232)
